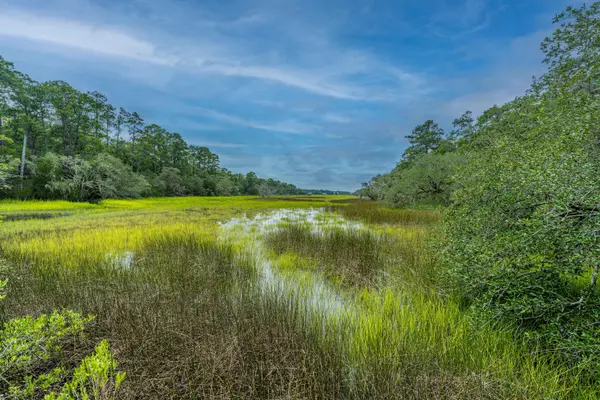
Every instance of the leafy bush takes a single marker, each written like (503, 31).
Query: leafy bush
(34, 362)
(95, 378)
(522, 235)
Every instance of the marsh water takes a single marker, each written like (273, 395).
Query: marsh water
(314, 294)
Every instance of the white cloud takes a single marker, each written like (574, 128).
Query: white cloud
(80, 36)
(293, 127)
(336, 118)
(288, 77)
(221, 145)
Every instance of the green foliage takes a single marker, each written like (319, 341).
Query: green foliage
(522, 229)
(29, 344)
(170, 182)
(95, 378)
(102, 177)
(522, 232)
(8, 171)
(424, 139)
(425, 173)
(573, 50)
(429, 180)
(47, 171)
(34, 363)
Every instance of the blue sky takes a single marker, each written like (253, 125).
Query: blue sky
(316, 93)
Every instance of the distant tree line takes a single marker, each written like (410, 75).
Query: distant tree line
(59, 143)
(326, 192)
(522, 186)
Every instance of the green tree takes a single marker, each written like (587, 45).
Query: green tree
(171, 182)
(429, 180)
(47, 171)
(204, 159)
(135, 124)
(425, 138)
(464, 127)
(572, 52)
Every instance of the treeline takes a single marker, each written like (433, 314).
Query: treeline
(424, 174)
(326, 192)
(522, 186)
(59, 143)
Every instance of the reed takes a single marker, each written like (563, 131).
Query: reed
(188, 316)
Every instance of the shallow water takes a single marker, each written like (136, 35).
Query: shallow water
(27, 216)
(314, 293)
(121, 260)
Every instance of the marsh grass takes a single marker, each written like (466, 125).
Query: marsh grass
(358, 257)
(351, 257)
(186, 321)
(374, 213)
(188, 318)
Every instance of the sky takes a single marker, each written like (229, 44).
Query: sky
(320, 94)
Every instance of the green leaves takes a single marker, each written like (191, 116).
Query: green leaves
(33, 363)
(95, 378)
(522, 232)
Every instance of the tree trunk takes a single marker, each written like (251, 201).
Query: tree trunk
(594, 277)
(23, 152)
(118, 137)
(133, 153)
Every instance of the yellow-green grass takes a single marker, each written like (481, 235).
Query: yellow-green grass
(168, 203)
(189, 319)
(405, 337)
(374, 213)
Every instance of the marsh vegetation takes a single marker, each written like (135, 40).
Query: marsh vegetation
(242, 298)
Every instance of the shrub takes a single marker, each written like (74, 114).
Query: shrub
(34, 361)
(522, 232)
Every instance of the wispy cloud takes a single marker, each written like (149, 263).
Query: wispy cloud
(221, 145)
(458, 21)
(292, 127)
(80, 36)
(315, 93)
(298, 79)
(326, 70)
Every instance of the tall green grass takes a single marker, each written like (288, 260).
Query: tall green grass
(187, 316)
(373, 213)
(185, 321)
(350, 257)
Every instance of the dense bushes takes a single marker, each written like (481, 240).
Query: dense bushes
(105, 176)
(523, 223)
(523, 230)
